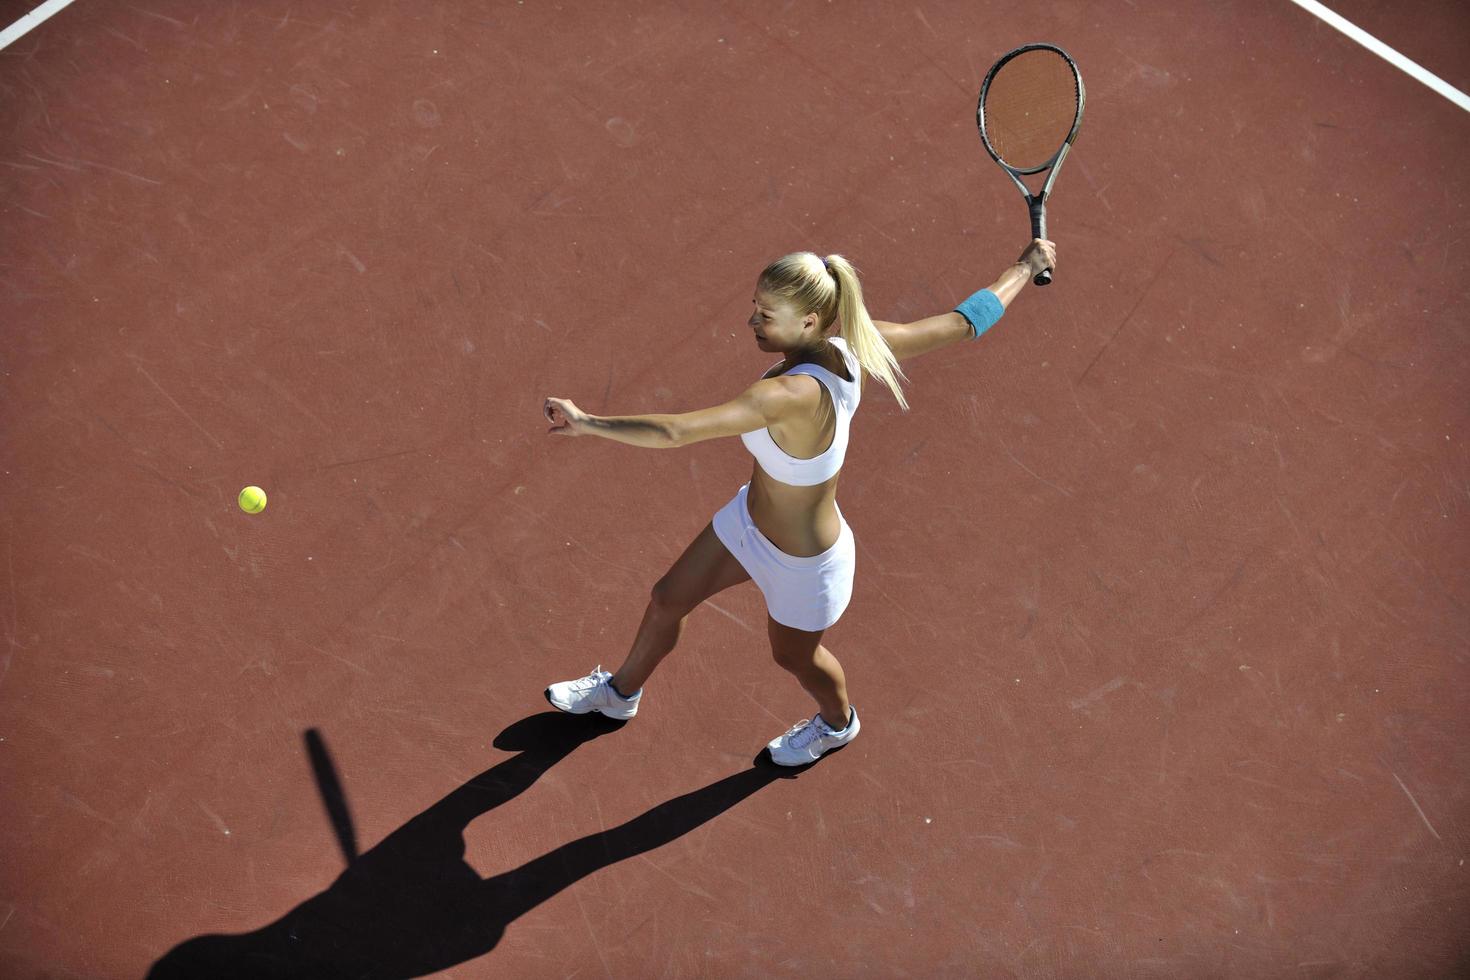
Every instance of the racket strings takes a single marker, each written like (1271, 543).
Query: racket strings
(1030, 106)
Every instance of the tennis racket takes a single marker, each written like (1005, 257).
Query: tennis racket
(1030, 110)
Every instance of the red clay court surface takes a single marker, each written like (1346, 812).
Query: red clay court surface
(1160, 634)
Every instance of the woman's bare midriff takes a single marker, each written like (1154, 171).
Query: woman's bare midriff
(801, 521)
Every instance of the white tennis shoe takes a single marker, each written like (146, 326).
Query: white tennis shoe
(807, 740)
(593, 693)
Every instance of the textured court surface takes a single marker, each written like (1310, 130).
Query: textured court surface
(1160, 634)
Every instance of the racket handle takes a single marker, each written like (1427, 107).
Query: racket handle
(1038, 230)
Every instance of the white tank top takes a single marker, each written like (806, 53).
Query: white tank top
(819, 469)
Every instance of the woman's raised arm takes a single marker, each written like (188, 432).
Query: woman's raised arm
(976, 315)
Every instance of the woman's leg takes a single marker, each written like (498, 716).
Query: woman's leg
(705, 567)
(815, 668)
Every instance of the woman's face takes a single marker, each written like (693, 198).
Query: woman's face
(776, 325)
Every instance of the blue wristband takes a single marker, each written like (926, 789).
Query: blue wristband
(982, 310)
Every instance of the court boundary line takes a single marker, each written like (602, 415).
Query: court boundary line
(31, 20)
(1388, 54)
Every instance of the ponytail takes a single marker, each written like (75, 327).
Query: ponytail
(830, 288)
(856, 327)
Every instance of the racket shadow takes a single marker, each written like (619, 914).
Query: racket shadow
(333, 798)
(411, 905)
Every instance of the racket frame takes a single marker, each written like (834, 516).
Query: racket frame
(1036, 203)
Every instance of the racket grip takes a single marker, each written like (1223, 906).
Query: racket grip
(1038, 230)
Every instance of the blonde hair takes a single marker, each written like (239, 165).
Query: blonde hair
(830, 288)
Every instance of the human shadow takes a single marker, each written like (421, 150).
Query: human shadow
(412, 905)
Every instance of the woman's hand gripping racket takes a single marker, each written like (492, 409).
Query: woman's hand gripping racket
(1030, 110)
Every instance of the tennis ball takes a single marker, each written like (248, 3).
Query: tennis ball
(252, 500)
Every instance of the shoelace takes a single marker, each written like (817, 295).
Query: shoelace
(802, 732)
(591, 680)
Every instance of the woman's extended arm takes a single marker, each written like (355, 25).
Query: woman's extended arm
(912, 339)
(756, 407)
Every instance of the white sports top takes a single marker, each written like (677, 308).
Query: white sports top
(819, 469)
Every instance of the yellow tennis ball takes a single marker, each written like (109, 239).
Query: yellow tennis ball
(252, 500)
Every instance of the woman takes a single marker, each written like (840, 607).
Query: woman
(783, 529)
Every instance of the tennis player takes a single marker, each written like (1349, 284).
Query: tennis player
(783, 529)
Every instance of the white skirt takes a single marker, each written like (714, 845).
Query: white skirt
(803, 593)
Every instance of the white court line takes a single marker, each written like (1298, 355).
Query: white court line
(23, 26)
(1385, 52)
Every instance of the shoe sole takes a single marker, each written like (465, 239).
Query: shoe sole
(764, 757)
(589, 711)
